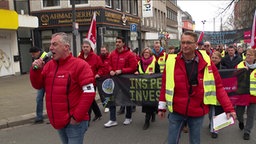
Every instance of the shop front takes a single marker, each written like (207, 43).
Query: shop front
(11, 58)
(109, 23)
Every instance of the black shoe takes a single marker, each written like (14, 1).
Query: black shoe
(214, 135)
(241, 125)
(246, 136)
(38, 121)
(153, 119)
(146, 126)
(96, 118)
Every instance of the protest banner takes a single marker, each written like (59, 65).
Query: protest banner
(145, 89)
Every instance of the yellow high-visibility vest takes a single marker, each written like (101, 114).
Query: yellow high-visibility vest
(252, 78)
(240, 65)
(161, 62)
(223, 53)
(208, 80)
(253, 83)
(150, 68)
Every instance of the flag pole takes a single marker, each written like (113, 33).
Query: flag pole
(253, 35)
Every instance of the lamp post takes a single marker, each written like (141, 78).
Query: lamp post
(203, 21)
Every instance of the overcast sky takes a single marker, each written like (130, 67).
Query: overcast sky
(205, 10)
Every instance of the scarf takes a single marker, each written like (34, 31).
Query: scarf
(250, 66)
(146, 62)
(157, 54)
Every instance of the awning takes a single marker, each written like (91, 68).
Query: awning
(9, 19)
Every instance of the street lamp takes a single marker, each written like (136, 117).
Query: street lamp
(203, 21)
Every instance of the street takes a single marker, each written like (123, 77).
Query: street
(132, 134)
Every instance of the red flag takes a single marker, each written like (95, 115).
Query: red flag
(253, 35)
(91, 35)
(200, 38)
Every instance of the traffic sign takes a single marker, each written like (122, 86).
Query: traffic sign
(133, 27)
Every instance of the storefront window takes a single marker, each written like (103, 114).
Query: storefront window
(51, 3)
(46, 40)
(110, 39)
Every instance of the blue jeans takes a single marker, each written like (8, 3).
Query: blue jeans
(73, 134)
(40, 104)
(176, 123)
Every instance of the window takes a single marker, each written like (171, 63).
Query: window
(51, 3)
(174, 2)
(79, 2)
(22, 7)
(46, 39)
(117, 4)
(134, 7)
(108, 3)
(126, 6)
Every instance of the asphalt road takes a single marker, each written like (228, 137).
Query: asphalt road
(132, 134)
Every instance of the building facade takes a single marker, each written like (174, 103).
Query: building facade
(15, 37)
(140, 22)
(114, 18)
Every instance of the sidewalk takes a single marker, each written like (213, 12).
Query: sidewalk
(17, 101)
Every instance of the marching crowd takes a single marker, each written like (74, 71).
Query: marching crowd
(191, 85)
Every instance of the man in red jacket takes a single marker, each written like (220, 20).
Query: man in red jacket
(68, 82)
(121, 61)
(98, 68)
(104, 56)
(190, 81)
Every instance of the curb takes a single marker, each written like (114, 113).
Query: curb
(18, 120)
(26, 119)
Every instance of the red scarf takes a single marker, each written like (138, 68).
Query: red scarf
(146, 62)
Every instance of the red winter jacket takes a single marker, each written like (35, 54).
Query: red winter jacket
(193, 105)
(105, 60)
(63, 81)
(125, 61)
(95, 63)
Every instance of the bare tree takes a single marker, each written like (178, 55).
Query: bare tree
(244, 12)
(241, 16)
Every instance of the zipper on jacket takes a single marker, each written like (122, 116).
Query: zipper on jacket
(67, 93)
(52, 90)
(117, 62)
(189, 95)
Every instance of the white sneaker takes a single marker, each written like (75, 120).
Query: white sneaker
(106, 110)
(110, 124)
(127, 121)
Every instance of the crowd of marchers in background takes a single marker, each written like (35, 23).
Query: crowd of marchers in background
(183, 96)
